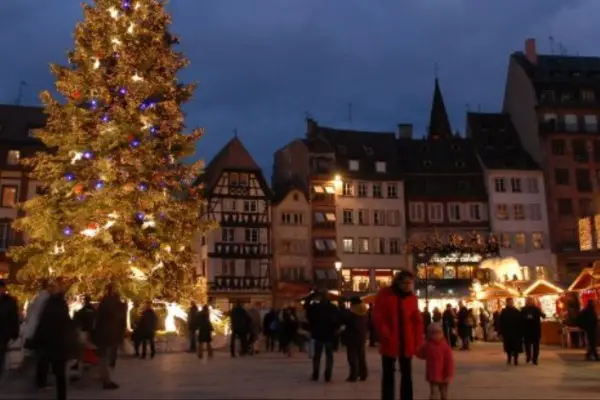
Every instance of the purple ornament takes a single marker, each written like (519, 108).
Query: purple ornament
(94, 104)
(143, 186)
(69, 176)
(139, 216)
(123, 91)
(99, 185)
(105, 118)
(88, 155)
(135, 143)
(68, 231)
(126, 4)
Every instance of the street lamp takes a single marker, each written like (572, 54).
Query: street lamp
(338, 268)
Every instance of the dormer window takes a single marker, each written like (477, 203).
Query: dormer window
(243, 179)
(368, 150)
(234, 179)
(353, 165)
(427, 163)
(380, 166)
(342, 149)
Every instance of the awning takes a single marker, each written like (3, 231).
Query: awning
(542, 287)
(497, 291)
(584, 281)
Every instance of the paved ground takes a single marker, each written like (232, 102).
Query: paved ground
(481, 374)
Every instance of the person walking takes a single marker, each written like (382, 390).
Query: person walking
(372, 333)
(192, 318)
(448, 324)
(355, 337)
(532, 330)
(9, 322)
(270, 329)
(399, 325)
(111, 323)
(588, 322)
(255, 328)
(205, 331)
(484, 322)
(426, 319)
(324, 321)
(436, 316)
(147, 326)
(439, 362)
(240, 329)
(511, 325)
(464, 329)
(85, 321)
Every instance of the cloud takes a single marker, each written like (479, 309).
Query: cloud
(262, 64)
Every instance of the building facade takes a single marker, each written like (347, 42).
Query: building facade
(17, 141)
(554, 102)
(292, 247)
(236, 257)
(516, 195)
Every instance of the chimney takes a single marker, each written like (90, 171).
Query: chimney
(311, 127)
(530, 51)
(405, 131)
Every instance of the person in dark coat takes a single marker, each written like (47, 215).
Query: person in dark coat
(511, 324)
(588, 322)
(324, 322)
(532, 330)
(192, 318)
(372, 333)
(85, 321)
(205, 331)
(484, 322)
(436, 316)
(240, 329)
(270, 328)
(356, 327)
(288, 326)
(448, 324)
(343, 315)
(9, 322)
(147, 326)
(111, 322)
(463, 327)
(426, 315)
(55, 342)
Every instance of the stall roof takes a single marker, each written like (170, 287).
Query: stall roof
(583, 281)
(497, 290)
(542, 287)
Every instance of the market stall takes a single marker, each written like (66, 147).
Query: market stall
(546, 295)
(493, 295)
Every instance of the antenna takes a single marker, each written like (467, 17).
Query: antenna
(562, 50)
(350, 113)
(22, 86)
(478, 107)
(235, 132)
(552, 43)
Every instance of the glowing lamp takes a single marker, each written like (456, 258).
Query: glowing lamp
(338, 266)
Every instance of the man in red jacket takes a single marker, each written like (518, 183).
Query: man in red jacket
(399, 328)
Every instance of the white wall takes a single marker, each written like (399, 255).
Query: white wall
(533, 223)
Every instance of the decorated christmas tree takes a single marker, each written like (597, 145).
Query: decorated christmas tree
(118, 205)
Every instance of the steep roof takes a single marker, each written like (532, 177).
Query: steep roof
(233, 156)
(15, 122)
(439, 124)
(280, 191)
(497, 142)
(561, 69)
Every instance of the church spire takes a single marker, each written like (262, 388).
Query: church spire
(439, 124)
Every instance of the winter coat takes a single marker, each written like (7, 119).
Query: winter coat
(448, 320)
(270, 322)
(192, 318)
(111, 321)
(147, 324)
(532, 322)
(85, 318)
(255, 321)
(240, 320)
(437, 316)
(398, 323)
(56, 336)
(324, 321)
(463, 322)
(511, 329)
(32, 317)
(356, 325)
(439, 361)
(9, 319)
(204, 326)
(588, 320)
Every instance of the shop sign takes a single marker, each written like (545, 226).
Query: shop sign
(456, 258)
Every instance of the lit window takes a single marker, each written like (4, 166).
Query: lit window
(519, 212)
(416, 212)
(454, 213)
(520, 240)
(380, 166)
(591, 123)
(505, 240)
(318, 189)
(348, 245)
(540, 272)
(353, 165)
(9, 196)
(330, 217)
(348, 189)
(363, 245)
(525, 273)
(499, 185)
(13, 157)
(571, 123)
(329, 189)
(379, 246)
(537, 240)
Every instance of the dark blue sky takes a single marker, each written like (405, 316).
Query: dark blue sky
(262, 64)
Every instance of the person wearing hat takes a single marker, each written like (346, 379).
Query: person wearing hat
(355, 336)
(9, 321)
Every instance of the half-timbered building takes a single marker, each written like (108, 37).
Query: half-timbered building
(236, 257)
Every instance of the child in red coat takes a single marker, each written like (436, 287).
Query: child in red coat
(439, 362)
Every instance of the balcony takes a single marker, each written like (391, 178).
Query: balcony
(323, 199)
(324, 253)
(240, 250)
(323, 224)
(240, 284)
(243, 219)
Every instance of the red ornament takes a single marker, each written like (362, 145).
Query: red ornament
(76, 94)
(92, 225)
(131, 138)
(78, 189)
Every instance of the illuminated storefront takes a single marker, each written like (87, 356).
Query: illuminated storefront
(360, 281)
(452, 266)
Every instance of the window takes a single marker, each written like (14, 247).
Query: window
(416, 212)
(363, 217)
(298, 218)
(540, 272)
(537, 240)
(591, 123)
(588, 95)
(234, 179)
(353, 165)
(394, 246)
(582, 180)
(392, 191)
(250, 206)
(348, 217)
(228, 234)
(558, 147)
(532, 185)
(393, 217)
(475, 213)
(325, 245)
(318, 189)
(520, 241)
(518, 212)
(363, 245)
(501, 212)
(244, 180)
(13, 157)
(228, 268)
(454, 212)
(435, 212)
(321, 217)
(362, 189)
(378, 217)
(515, 184)
(348, 189)
(580, 151)
(535, 212)
(377, 192)
(571, 123)
(330, 217)
(585, 207)
(329, 189)
(9, 196)
(505, 241)
(251, 235)
(525, 273)
(348, 244)
(561, 176)
(379, 246)
(286, 218)
(550, 117)
(5, 235)
(565, 207)
(499, 185)
(380, 167)
(248, 270)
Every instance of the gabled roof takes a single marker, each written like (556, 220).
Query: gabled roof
(15, 122)
(280, 191)
(233, 156)
(561, 69)
(439, 124)
(497, 142)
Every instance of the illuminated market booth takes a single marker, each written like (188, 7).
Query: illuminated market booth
(547, 296)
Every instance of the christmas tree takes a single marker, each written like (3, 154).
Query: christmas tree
(118, 205)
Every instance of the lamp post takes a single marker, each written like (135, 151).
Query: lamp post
(338, 268)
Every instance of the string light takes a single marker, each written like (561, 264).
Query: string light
(96, 64)
(114, 13)
(137, 78)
